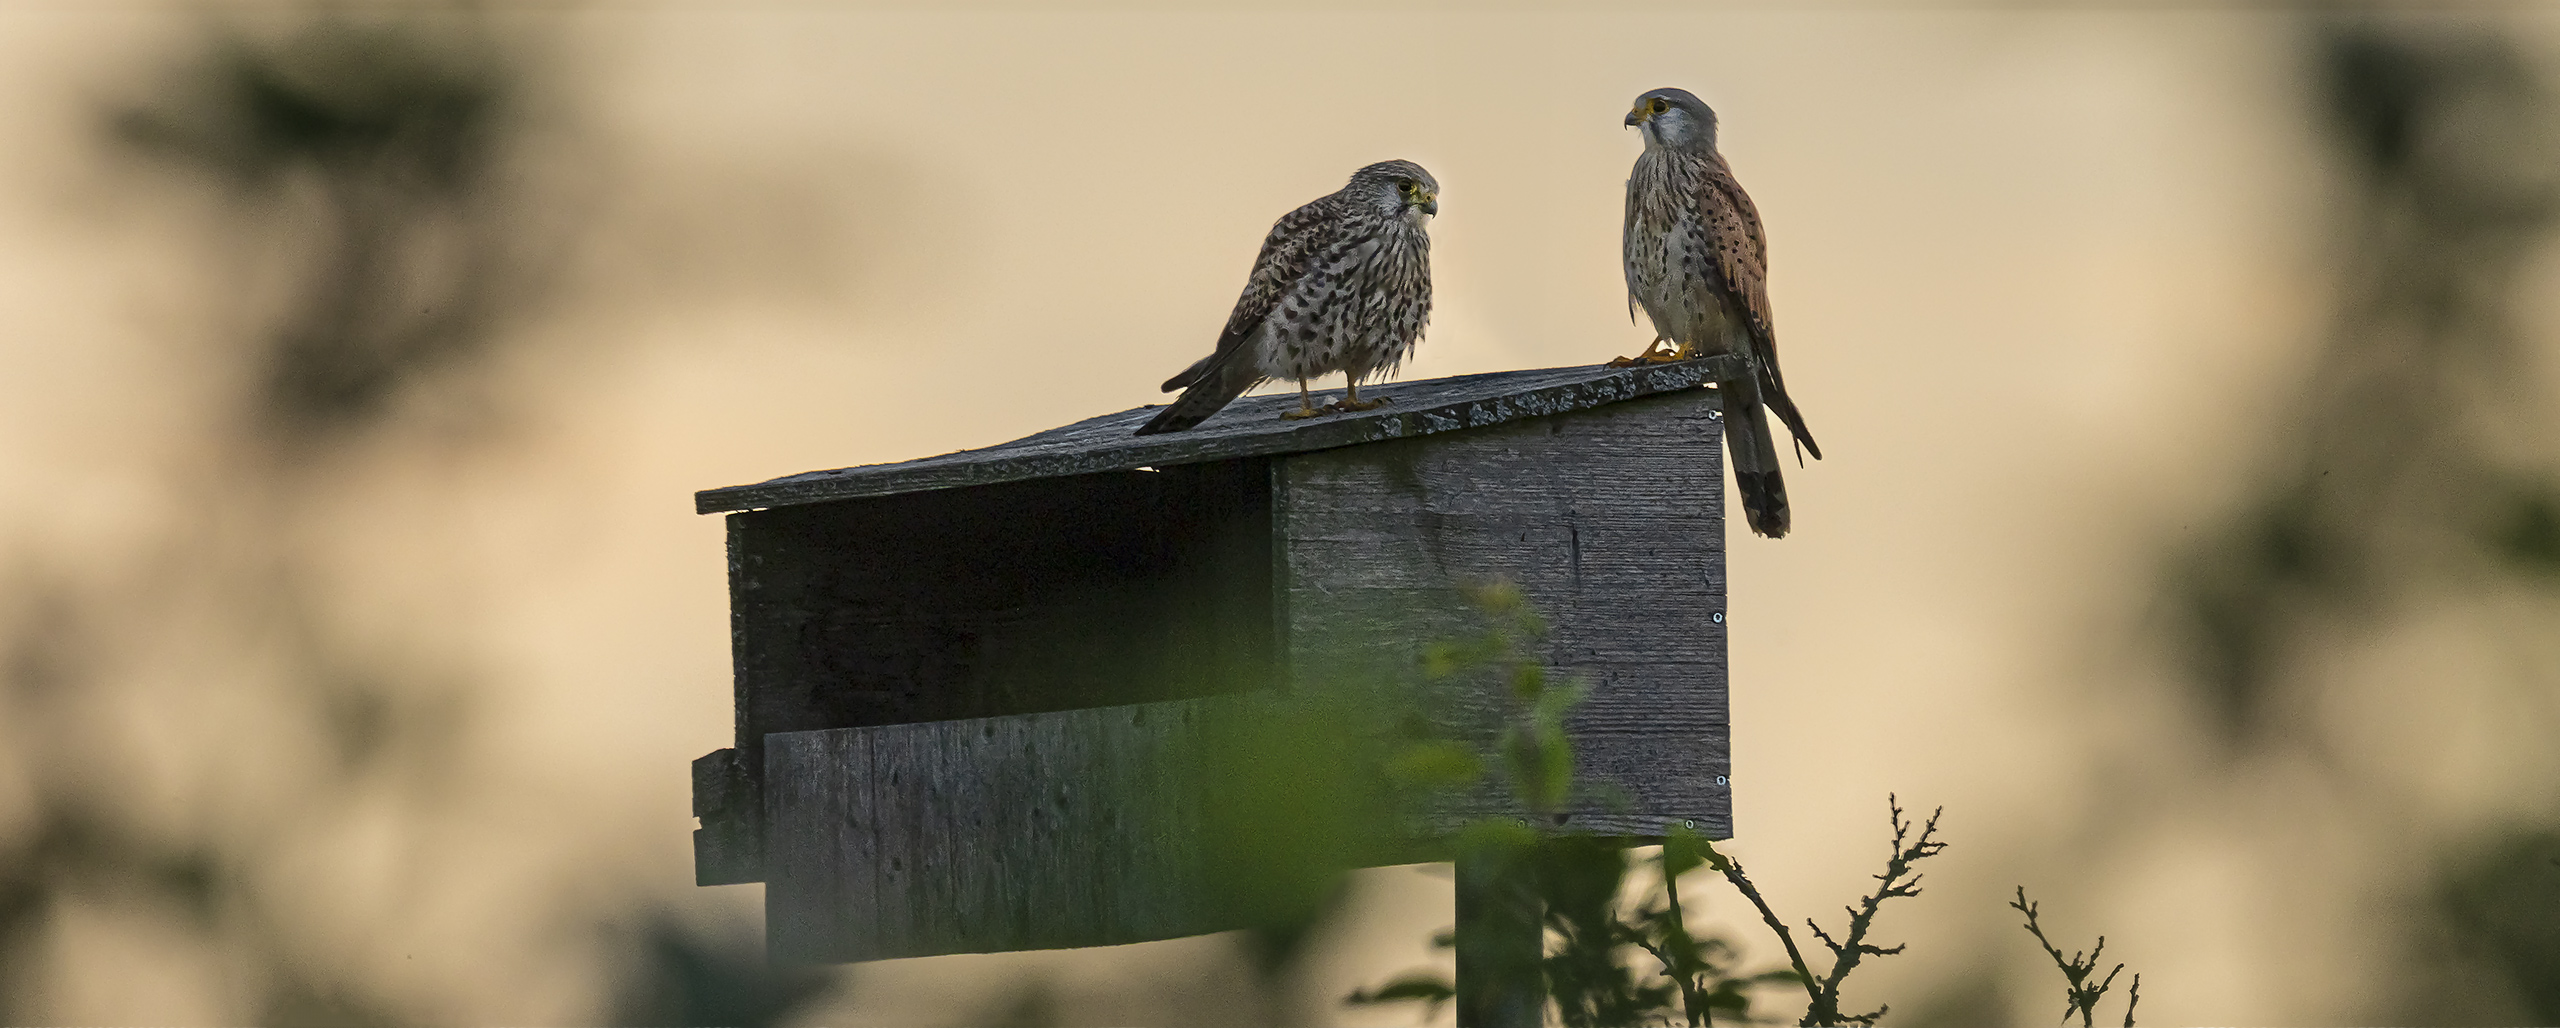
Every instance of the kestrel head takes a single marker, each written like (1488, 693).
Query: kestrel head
(1397, 188)
(1675, 118)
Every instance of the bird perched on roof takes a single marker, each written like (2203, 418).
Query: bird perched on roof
(1698, 263)
(1342, 284)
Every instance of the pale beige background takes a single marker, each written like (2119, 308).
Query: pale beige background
(2032, 270)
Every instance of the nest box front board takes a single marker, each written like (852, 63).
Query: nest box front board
(965, 684)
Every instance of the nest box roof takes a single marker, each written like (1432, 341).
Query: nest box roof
(1249, 427)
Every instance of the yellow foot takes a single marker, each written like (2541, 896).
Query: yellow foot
(1654, 354)
(1347, 407)
(1303, 413)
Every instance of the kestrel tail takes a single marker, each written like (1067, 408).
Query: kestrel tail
(1342, 284)
(1697, 262)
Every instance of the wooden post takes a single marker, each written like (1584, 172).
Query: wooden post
(1500, 942)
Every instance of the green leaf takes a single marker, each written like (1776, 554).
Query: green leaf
(1555, 774)
(1443, 659)
(1727, 997)
(1498, 598)
(1413, 986)
(1556, 702)
(1436, 765)
(1680, 852)
(1496, 837)
(1440, 660)
(1528, 681)
(1609, 796)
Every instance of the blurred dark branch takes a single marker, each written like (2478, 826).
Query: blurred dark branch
(2388, 469)
(398, 131)
(384, 142)
(678, 975)
(2497, 911)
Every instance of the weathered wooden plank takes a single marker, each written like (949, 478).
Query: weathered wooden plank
(899, 788)
(728, 848)
(1249, 427)
(1071, 828)
(1611, 522)
(831, 855)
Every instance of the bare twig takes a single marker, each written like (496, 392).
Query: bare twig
(1732, 871)
(1897, 880)
(2077, 969)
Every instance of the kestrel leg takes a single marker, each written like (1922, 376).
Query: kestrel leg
(1306, 405)
(1351, 402)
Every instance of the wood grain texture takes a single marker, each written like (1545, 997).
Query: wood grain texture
(1249, 427)
(1073, 828)
(1610, 520)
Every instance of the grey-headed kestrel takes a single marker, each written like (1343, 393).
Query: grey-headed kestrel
(1342, 284)
(1698, 263)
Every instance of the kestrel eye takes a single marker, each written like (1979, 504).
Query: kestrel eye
(1659, 106)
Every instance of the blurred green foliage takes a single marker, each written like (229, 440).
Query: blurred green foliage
(1566, 887)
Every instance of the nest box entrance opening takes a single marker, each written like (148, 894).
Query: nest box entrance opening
(1053, 594)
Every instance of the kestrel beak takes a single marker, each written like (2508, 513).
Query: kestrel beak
(1431, 206)
(1635, 117)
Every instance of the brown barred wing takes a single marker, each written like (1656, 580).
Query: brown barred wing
(1742, 260)
(1286, 253)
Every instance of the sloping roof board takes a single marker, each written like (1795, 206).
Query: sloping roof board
(1249, 427)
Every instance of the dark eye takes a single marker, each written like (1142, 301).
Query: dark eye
(1659, 105)
(1404, 185)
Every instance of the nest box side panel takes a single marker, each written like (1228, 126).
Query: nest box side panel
(1610, 520)
(1036, 831)
(729, 847)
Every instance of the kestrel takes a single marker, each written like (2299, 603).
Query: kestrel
(1698, 263)
(1342, 284)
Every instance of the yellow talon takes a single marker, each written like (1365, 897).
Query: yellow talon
(1653, 354)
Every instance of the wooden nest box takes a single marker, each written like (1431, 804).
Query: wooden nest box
(962, 682)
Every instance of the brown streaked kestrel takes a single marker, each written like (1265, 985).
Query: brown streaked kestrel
(1342, 284)
(1698, 263)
